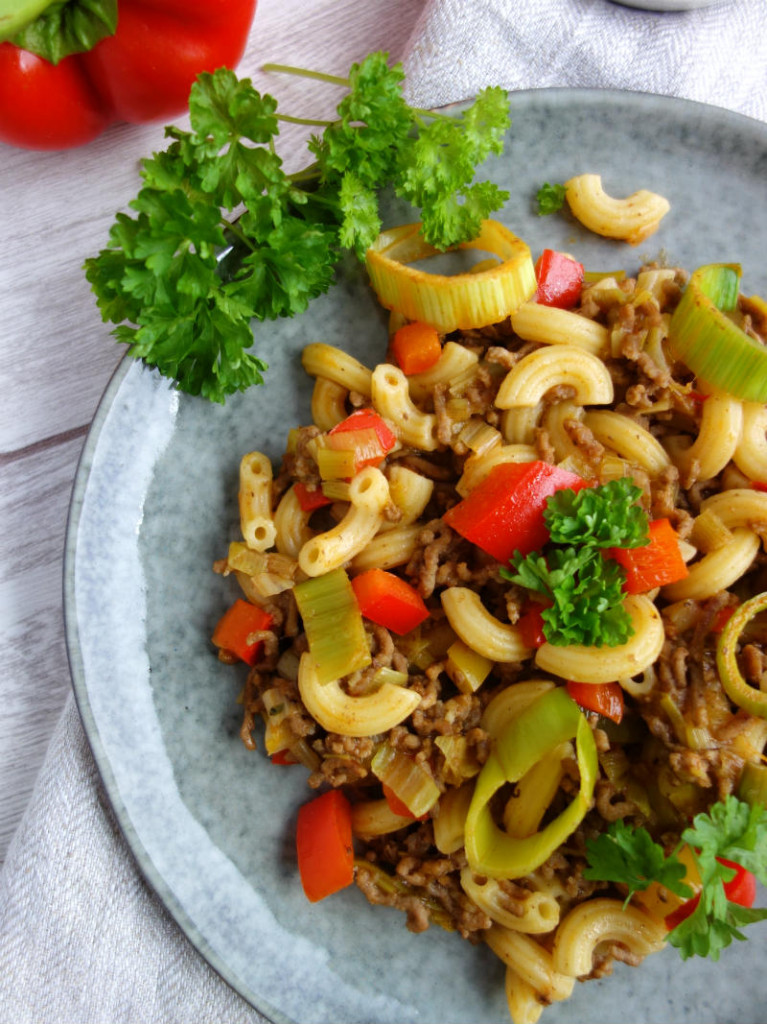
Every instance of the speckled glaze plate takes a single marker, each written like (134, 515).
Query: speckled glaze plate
(154, 505)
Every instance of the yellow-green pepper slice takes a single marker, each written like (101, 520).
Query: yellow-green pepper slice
(552, 719)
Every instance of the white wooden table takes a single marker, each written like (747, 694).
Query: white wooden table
(56, 355)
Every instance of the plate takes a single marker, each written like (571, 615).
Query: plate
(154, 504)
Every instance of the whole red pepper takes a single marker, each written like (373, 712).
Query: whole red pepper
(141, 73)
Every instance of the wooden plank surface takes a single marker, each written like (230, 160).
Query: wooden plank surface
(56, 356)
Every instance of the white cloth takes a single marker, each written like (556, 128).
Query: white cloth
(716, 55)
(82, 939)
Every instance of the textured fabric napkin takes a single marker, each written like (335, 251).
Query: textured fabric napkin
(82, 939)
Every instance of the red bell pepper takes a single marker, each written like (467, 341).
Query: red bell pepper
(309, 500)
(141, 72)
(324, 845)
(236, 625)
(741, 889)
(367, 419)
(560, 279)
(283, 757)
(604, 698)
(504, 513)
(530, 625)
(416, 347)
(389, 601)
(397, 806)
(756, 485)
(654, 565)
(366, 434)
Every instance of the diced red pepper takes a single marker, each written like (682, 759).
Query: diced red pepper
(504, 513)
(324, 845)
(756, 485)
(389, 601)
(416, 347)
(366, 433)
(368, 419)
(309, 499)
(283, 757)
(604, 698)
(397, 806)
(723, 616)
(236, 625)
(530, 625)
(654, 565)
(741, 889)
(560, 279)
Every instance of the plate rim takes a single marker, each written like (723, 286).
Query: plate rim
(160, 886)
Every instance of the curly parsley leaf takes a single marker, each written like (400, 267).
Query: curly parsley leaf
(551, 199)
(607, 516)
(630, 857)
(732, 830)
(220, 235)
(584, 590)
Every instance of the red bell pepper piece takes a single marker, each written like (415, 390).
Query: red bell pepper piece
(723, 616)
(604, 698)
(368, 419)
(397, 806)
(364, 431)
(560, 279)
(389, 601)
(530, 625)
(654, 565)
(309, 500)
(142, 72)
(741, 889)
(324, 845)
(504, 513)
(236, 625)
(756, 485)
(283, 757)
(416, 347)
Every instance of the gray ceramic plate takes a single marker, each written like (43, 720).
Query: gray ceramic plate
(155, 503)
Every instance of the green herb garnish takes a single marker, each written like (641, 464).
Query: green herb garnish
(183, 308)
(732, 830)
(583, 589)
(551, 199)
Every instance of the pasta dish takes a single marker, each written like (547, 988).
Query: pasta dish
(501, 599)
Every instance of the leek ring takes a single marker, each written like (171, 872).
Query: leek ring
(451, 302)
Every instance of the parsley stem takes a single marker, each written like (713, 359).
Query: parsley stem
(320, 76)
(303, 120)
(232, 226)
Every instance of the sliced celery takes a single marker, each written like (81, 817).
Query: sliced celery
(336, 465)
(460, 760)
(333, 625)
(408, 780)
(712, 346)
(466, 667)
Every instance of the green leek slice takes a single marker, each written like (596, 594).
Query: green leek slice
(408, 780)
(753, 784)
(735, 686)
(333, 625)
(550, 720)
(709, 343)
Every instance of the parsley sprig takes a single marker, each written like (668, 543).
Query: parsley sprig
(220, 234)
(732, 830)
(551, 198)
(584, 590)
